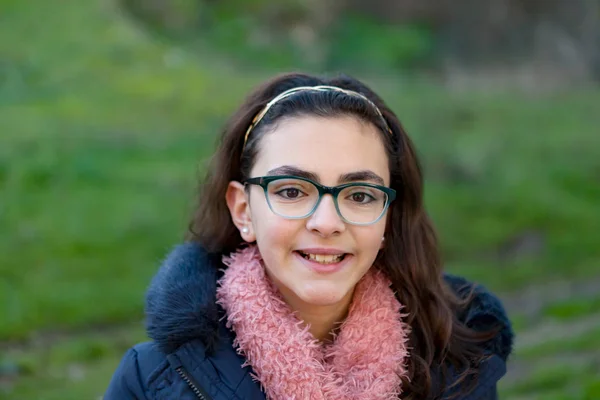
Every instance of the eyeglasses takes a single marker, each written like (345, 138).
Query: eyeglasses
(293, 197)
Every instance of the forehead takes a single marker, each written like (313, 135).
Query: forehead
(326, 146)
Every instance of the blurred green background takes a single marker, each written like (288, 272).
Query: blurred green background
(108, 110)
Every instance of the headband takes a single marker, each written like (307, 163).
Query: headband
(322, 88)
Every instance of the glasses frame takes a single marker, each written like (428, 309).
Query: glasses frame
(334, 191)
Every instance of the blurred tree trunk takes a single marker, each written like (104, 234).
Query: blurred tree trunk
(551, 36)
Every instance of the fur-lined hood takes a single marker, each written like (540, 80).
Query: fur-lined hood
(181, 303)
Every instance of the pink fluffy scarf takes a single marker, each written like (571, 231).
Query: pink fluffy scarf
(366, 360)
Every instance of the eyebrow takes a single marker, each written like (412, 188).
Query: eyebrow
(364, 175)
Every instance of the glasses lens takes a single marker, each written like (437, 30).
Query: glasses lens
(293, 198)
(362, 204)
(296, 198)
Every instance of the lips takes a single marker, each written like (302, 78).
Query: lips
(323, 258)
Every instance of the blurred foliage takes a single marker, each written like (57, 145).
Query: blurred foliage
(557, 40)
(287, 34)
(366, 43)
(106, 127)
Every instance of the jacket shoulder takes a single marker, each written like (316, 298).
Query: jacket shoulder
(484, 312)
(137, 367)
(181, 300)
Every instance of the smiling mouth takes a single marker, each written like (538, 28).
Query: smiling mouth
(323, 258)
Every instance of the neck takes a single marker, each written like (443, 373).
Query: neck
(321, 319)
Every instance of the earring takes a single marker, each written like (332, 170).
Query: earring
(382, 238)
(244, 230)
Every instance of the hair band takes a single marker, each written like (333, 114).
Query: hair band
(321, 88)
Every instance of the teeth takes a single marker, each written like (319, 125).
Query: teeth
(325, 258)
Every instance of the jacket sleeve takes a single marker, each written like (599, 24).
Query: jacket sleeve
(126, 383)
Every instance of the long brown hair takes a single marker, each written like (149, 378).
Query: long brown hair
(411, 255)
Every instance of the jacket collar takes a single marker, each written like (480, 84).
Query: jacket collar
(181, 300)
(181, 304)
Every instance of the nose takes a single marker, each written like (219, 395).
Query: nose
(326, 221)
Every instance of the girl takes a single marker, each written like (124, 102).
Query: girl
(311, 270)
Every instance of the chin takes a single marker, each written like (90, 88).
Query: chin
(322, 295)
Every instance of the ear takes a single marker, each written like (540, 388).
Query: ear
(239, 208)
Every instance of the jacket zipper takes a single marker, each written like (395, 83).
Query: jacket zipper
(201, 394)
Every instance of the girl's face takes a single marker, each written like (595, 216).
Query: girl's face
(331, 150)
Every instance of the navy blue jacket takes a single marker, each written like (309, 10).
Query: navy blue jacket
(191, 355)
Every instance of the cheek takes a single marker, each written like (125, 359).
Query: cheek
(276, 238)
(275, 233)
(370, 239)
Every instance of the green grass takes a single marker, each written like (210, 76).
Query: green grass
(97, 165)
(572, 309)
(560, 382)
(69, 367)
(585, 343)
(104, 129)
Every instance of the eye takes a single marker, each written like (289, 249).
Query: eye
(289, 193)
(361, 197)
